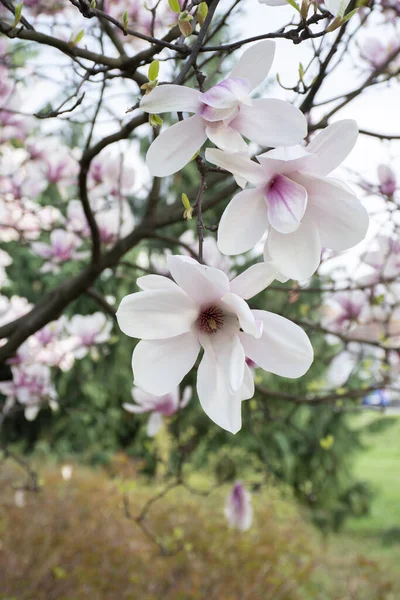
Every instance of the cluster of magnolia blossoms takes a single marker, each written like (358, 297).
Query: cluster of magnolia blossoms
(293, 203)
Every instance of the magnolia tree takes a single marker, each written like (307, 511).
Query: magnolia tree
(216, 237)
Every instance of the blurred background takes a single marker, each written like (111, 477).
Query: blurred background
(103, 500)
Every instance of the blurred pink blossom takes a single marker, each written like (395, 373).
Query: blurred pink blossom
(238, 508)
(158, 406)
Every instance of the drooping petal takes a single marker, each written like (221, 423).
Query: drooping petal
(176, 146)
(201, 283)
(341, 219)
(156, 314)
(255, 63)
(229, 353)
(255, 279)
(236, 304)
(271, 122)
(243, 222)
(238, 164)
(225, 137)
(171, 98)
(160, 365)
(297, 255)
(287, 203)
(154, 424)
(283, 348)
(155, 282)
(332, 145)
(135, 408)
(247, 389)
(143, 399)
(186, 396)
(219, 405)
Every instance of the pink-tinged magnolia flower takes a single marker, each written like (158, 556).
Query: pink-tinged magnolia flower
(301, 209)
(31, 386)
(377, 52)
(344, 310)
(203, 309)
(387, 180)
(222, 114)
(238, 508)
(88, 331)
(385, 261)
(113, 221)
(158, 406)
(62, 248)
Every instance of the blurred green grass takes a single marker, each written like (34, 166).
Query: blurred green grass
(72, 541)
(379, 465)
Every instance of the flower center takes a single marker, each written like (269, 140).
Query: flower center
(211, 319)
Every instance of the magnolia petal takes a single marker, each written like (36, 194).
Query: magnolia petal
(240, 308)
(201, 283)
(219, 405)
(228, 352)
(225, 137)
(297, 255)
(156, 314)
(336, 7)
(237, 163)
(176, 146)
(171, 98)
(160, 365)
(332, 145)
(134, 408)
(255, 63)
(226, 93)
(243, 222)
(155, 282)
(154, 424)
(271, 122)
(287, 203)
(341, 219)
(255, 279)
(283, 348)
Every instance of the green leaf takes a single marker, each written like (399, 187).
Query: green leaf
(155, 120)
(153, 70)
(93, 4)
(125, 20)
(174, 5)
(79, 36)
(18, 14)
(349, 15)
(202, 12)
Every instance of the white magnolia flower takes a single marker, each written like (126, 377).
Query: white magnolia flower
(336, 7)
(159, 406)
(203, 309)
(301, 209)
(222, 114)
(238, 508)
